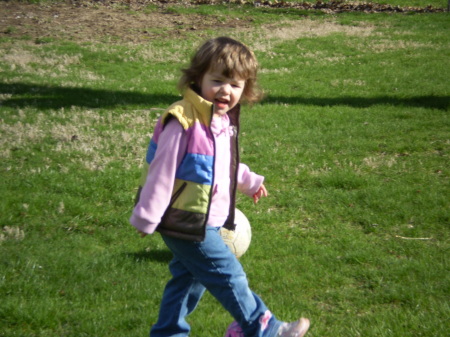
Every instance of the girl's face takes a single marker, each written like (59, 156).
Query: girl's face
(223, 92)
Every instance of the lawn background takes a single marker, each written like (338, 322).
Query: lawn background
(352, 137)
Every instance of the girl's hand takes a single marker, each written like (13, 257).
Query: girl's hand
(262, 192)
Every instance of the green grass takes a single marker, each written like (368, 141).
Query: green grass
(352, 137)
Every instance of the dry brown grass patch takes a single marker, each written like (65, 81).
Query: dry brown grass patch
(292, 30)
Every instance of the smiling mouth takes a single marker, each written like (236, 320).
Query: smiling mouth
(221, 102)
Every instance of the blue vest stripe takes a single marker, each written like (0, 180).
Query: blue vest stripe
(197, 168)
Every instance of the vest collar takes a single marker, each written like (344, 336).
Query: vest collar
(201, 105)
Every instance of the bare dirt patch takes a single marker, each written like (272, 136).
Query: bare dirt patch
(101, 23)
(131, 21)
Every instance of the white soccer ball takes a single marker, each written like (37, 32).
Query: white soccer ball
(239, 239)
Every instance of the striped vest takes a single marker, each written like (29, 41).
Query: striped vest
(188, 210)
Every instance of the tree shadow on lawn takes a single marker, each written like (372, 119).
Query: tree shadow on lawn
(53, 97)
(427, 101)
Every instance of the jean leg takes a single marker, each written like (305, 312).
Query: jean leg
(216, 268)
(180, 298)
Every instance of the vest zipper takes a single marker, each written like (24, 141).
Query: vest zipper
(177, 194)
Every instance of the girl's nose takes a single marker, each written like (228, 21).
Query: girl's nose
(225, 88)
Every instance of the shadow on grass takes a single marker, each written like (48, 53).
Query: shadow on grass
(428, 101)
(157, 255)
(52, 97)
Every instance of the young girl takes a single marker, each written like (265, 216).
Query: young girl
(190, 187)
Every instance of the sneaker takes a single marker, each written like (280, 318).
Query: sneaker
(294, 329)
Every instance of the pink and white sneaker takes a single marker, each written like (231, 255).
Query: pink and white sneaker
(294, 329)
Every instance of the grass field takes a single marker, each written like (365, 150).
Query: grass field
(352, 137)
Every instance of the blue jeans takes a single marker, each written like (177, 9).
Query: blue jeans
(208, 265)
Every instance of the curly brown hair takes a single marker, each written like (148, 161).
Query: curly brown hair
(233, 57)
